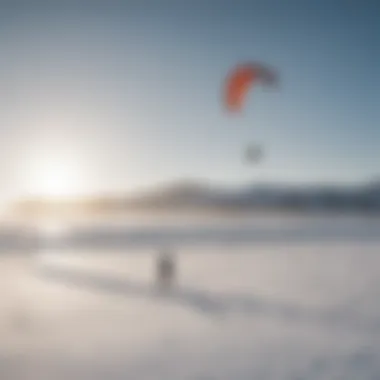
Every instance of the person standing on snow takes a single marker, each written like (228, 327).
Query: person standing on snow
(165, 270)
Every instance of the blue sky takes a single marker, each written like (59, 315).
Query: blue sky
(124, 95)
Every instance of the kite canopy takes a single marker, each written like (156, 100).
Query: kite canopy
(240, 81)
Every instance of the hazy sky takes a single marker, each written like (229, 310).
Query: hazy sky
(127, 94)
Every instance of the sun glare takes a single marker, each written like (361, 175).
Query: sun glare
(56, 181)
(55, 177)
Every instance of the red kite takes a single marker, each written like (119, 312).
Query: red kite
(241, 79)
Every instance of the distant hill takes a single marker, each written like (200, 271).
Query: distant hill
(195, 196)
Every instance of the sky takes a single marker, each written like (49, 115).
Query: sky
(122, 95)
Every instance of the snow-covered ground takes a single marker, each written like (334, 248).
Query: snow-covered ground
(282, 311)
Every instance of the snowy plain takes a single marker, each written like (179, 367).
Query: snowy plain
(265, 299)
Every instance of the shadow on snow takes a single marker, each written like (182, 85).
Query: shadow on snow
(207, 302)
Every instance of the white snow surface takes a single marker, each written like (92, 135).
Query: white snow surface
(294, 311)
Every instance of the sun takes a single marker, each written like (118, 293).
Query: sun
(56, 181)
(55, 177)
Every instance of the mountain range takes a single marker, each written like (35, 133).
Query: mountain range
(196, 196)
